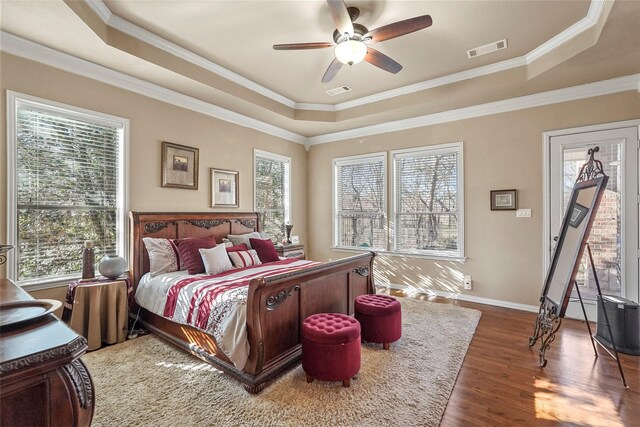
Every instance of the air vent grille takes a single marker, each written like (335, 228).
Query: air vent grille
(338, 90)
(487, 48)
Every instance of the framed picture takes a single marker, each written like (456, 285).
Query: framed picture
(179, 166)
(295, 240)
(224, 188)
(577, 215)
(504, 200)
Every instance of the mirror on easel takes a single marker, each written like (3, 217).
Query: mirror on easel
(571, 243)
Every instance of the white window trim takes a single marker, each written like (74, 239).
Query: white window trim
(14, 100)
(350, 160)
(288, 206)
(429, 150)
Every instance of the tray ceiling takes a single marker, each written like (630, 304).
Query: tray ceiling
(220, 52)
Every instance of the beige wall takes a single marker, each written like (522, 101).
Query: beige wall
(221, 144)
(504, 253)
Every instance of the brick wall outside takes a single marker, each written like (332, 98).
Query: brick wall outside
(604, 240)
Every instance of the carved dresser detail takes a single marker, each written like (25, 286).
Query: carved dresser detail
(43, 382)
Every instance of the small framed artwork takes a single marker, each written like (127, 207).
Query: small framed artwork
(179, 166)
(295, 240)
(224, 188)
(578, 214)
(504, 200)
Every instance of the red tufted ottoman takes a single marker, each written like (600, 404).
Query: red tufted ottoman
(331, 347)
(380, 317)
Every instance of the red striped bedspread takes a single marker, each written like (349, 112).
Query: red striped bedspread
(215, 304)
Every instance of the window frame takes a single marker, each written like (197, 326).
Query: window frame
(15, 100)
(430, 150)
(288, 209)
(351, 160)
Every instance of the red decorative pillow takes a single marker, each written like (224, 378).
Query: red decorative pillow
(190, 254)
(237, 248)
(265, 249)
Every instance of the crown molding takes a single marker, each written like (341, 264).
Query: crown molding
(433, 83)
(100, 9)
(593, 15)
(33, 51)
(30, 50)
(589, 90)
(148, 37)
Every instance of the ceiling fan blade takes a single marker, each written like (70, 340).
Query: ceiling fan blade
(331, 72)
(381, 60)
(299, 46)
(399, 28)
(340, 16)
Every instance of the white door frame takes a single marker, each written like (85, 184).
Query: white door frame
(546, 182)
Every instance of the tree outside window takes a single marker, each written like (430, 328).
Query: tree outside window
(272, 183)
(69, 188)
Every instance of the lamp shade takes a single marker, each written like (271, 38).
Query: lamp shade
(351, 51)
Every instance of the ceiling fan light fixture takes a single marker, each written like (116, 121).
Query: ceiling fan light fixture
(351, 52)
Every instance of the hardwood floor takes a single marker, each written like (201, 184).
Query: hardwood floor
(500, 382)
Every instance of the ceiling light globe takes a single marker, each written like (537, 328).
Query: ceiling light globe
(351, 52)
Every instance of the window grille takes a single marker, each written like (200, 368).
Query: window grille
(360, 202)
(427, 208)
(272, 183)
(69, 188)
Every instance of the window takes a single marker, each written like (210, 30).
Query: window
(360, 201)
(272, 177)
(428, 202)
(427, 194)
(66, 186)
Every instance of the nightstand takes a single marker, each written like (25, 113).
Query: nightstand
(98, 309)
(291, 251)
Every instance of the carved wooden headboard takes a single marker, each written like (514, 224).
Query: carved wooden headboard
(178, 225)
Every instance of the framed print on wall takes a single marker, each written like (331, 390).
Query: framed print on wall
(504, 200)
(179, 166)
(224, 188)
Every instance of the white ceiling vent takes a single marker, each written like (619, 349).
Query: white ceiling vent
(487, 48)
(338, 90)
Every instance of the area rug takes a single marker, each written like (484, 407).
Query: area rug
(145, 382)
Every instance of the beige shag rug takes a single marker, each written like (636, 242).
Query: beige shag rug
(146, 382)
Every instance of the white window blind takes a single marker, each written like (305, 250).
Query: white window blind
(427, 200)
(272, 195)
(69, 188)
(360, 201)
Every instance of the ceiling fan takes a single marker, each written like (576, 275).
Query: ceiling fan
(351, 39)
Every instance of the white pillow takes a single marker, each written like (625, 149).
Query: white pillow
(215, 260)
(163, 255)
(243, 259)
(237, 239)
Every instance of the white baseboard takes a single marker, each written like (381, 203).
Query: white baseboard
(469, 298)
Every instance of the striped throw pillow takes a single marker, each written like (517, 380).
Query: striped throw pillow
(242, 259)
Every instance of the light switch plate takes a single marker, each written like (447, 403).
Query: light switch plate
(523, 213)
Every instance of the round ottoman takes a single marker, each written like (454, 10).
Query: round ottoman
(331, 347)
(380, 317)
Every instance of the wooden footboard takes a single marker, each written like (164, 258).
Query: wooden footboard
(277, 306)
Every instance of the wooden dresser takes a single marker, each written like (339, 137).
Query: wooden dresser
(43, 382)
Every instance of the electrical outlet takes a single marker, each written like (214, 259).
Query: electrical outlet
(523, 213)
(467, 282)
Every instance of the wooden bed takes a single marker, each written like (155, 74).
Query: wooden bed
(276, 307)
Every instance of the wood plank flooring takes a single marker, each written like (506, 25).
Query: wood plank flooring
(501, 384)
